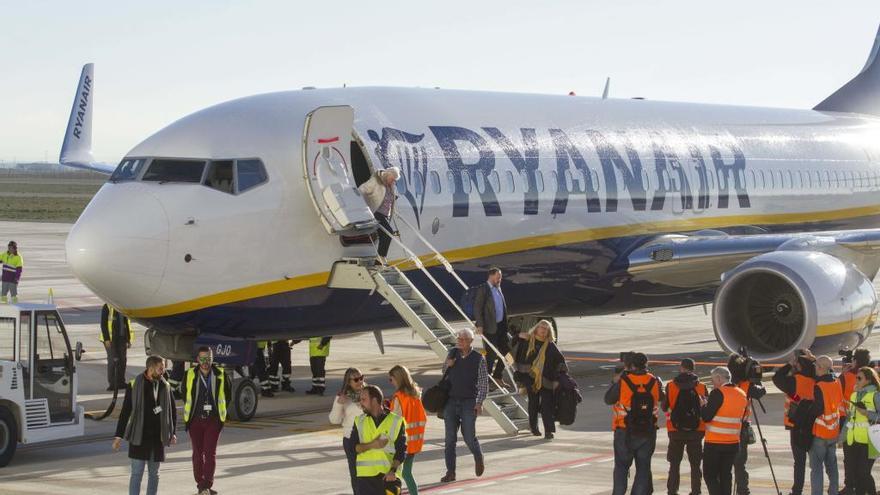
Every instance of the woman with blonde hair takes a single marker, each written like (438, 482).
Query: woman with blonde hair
(407, 402)
(538, 364)
(346, 408)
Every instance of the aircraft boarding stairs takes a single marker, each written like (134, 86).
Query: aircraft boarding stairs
(502, 403)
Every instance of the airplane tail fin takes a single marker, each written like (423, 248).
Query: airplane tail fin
(862, 93)
(76, 151)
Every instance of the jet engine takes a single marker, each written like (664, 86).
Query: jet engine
(777, 302)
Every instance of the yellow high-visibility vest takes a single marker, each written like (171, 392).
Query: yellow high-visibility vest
(315, 351)
(190, 394)
(377, 461)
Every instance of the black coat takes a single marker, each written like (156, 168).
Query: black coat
(152, 436)
(554, 361)
(484, 309)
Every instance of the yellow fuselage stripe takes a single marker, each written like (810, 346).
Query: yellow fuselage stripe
(513, 246)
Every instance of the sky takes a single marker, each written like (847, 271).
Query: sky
(158, 61)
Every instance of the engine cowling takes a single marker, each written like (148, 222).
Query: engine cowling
(777, 302)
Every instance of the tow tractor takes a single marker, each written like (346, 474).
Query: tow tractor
(38, 380)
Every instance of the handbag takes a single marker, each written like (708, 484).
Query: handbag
(874, 435)
(434, 399)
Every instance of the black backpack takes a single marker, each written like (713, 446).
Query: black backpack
(685, 414)
(468, 300)
(640, 417)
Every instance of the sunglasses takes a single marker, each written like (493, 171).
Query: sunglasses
(204, 359)
(357, 378)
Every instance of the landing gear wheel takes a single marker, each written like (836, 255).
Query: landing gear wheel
(245, 397)
(8, 436)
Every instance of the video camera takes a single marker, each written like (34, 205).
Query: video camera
(846, 355)
(626, 361)
(751, 369)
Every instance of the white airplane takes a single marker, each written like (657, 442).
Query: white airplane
(228, 221)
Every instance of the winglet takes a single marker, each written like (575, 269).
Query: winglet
(607, 87)
(862, 93)
(76, 151)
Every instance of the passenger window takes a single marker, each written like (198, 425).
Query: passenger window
(435, 182)
(511, 182)
(219, 176)
(128, 169)
(417, 183)
(249, 174)
(752, 179)
(539, 177)
(554, 181)
(466, 182)
(763, 184)
(525, 179)
(481, 181)
(595, 178)
(450, 181)
(495, 181)
(174, 170)
(569, 181)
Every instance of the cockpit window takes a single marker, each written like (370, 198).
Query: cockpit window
(219, 176)
(174, 170)
(128, 169)
(251, 173)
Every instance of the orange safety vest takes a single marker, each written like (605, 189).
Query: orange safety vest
(848, 383)
(827, 425)
(804, 390)
(726, 426)
(625, 401)
(416, 419)
(672, 397)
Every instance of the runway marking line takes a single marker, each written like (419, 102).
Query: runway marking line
(519, 474)
(660, 361)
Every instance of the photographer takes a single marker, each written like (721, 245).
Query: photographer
(745, 374)
(634, 396)
(852, 362)
(684, 425)
(797, 380)
(828, 399)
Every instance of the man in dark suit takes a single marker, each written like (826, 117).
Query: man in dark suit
(490, 311)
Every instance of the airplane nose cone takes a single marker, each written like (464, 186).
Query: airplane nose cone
(119, 246)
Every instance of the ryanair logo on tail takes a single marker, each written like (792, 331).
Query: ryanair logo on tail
(82, 106)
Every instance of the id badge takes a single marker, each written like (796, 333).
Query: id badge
(207, 408)
(157, 410)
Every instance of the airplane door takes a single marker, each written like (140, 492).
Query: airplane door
(327, 172)
(53, 366)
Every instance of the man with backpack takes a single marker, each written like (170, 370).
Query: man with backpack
(797, 379)
(684, 425)
(490, 313)
(635, 397)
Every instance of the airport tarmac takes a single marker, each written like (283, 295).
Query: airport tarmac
(290, 447)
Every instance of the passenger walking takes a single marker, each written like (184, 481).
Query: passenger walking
(490, 312)
(206, 390)
(407, 403)
(469, 383)
(380, 442)
(723, 412)
(12, 264)
(319, 349)
(148, 423)
(748, 381)
(864, 404)
(345, 409)
(117, 336)
(797, 380)
(684, 425)
(380, 196)
(851, 365)
(539, 362)
(827, 400)
(635, 398)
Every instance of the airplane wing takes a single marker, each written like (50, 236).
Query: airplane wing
(76, 151)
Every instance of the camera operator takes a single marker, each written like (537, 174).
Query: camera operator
(852, 361)
(634, 396)
(797, 380)
(745, 374)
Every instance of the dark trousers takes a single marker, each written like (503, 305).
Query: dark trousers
(629, 448)
(384, 238)
(679, 441)
(318, 364)
(740, 475)
(204, 435)
(863, 482)
(501, 340)
(351, 457)
(545, 401)
(800, 464)
(280, 356)
(260, 370)
(374, 485)
(849, 474)
(459, 413)
(117, 355)
(718, 467)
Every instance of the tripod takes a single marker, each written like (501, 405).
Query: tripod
(764, 440)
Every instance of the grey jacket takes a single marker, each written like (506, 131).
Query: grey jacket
(484, 309)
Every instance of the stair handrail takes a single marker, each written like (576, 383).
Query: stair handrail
(437, 255)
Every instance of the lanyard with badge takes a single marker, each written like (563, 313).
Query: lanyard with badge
(209, 399)
(157, 409)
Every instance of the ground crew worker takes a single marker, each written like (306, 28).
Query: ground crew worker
(860, 358)
(280, 357)
(827, 399)
(684, 436)
(262, 371)
(741, 376)
(723, 412)
(175, 377)
(864, 405)
(319, 349)
(797, 380)
(204, 413)
(380, 443)
(635, 431)
(117, 335)
(12, 264)
(407, 403)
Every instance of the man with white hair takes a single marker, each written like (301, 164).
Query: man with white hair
(468, 380)
(378, 192)
(827, 399)
(723, 411)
